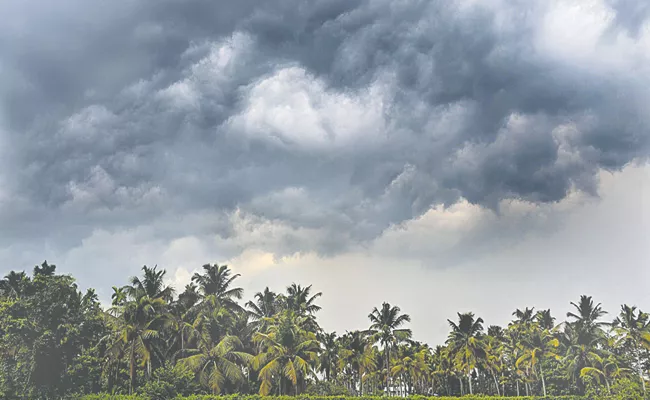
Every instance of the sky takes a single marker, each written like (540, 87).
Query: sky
(444, 156)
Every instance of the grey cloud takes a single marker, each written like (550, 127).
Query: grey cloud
(140, 113)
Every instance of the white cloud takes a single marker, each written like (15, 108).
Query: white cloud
(294, 108)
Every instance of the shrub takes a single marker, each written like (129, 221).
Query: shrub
(316, 397)
(170, 382)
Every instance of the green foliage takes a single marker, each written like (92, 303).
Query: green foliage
(57, 342)
(308, 397)
(169, 382)
(324, 388)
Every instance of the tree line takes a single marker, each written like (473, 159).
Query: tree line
(56, 341)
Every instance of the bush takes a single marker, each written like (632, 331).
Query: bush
(323, 388)
(308, 397)
(170, 382)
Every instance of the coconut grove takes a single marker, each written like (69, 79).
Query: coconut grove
(211, 339)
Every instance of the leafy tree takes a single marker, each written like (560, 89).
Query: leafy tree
(134, 328)
(215, 284)
(218, 363)
(633, 327)
(385, 328)
(539, 346)
(465, 343)
(287, 352)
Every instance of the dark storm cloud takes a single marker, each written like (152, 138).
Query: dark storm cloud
(343, 117)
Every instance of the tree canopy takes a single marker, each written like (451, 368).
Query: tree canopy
(57, 341)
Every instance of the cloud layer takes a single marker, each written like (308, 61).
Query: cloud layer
(307, 126)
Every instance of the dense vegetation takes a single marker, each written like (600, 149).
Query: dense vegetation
(58, 342)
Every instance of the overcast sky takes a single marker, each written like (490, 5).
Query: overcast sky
(440, 155)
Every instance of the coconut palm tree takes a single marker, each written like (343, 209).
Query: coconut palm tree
(119, 296)
(494, 357)
(538, 346)
(329, 356)
(605, 369)
(286, 352)
(151, 285)
(134, 327)
(634, 330)
(215, 285)
(44, 269)
(586, 322)
(265, 305)
(14, 284)
(300, 300)
(357, 356)
(218, 363)
(466, 344)
(524, 317)
(385, 329)
(545, 320)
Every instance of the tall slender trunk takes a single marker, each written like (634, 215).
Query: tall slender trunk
(388, 392)
(360, 382)
(639, 369)
(469, 380)
(496, 384)
(517, 388)
(541, 372)
(132, 368)
(503, 385)
(460, 379)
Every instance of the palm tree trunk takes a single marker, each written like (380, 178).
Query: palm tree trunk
(541, 372)
(496, 384)
(517, 388)
(460, 379)
(503, 385)
(360, 382)
(388, 369)
(469, 381)
(639, 370)
(132, 368)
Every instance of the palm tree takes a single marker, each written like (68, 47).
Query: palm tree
(494, 349)
(44, 269)
(265, 305)
(14, 284)
(119, 296)
(300, 300)
(134, 325)
(586, 317)
(357, 355)
(545, 320)
(525, 317)
(189, 297)
(385, 328)
(329, 355)
(538, 346)
(606, 369)
(287, 351)
(151, 285)
(579, 354)
(216, 363)
(465, 343)
(215, 284)
(634, 330)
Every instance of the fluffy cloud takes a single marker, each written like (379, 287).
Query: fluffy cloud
(297, 127)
